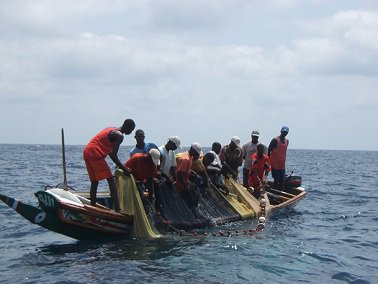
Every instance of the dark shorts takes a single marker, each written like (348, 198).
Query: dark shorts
(278, 175)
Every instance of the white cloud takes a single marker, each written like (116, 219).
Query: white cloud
(206, 72)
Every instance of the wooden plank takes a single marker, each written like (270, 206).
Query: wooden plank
(278, 196)
(281, 192)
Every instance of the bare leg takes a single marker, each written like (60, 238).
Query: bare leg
(114, 193)
(93, 192)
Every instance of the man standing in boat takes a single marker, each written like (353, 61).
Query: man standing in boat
(105, 143)
(144, 168)
(259, 169)
(141, 146)
(187, 179)
(168, 158)
(232, 157)
(248, 150)
(277, 154)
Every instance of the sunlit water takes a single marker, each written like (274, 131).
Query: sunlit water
(330, 237)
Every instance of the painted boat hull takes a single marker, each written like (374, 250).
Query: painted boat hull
(78, 222)
(72, 215)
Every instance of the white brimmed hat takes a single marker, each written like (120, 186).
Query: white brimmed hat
(197, 147)
(155, 155)
(175, 140)
(236, 140)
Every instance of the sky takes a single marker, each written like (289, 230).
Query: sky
(203, 70)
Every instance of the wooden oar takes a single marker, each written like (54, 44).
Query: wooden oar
(65, 186)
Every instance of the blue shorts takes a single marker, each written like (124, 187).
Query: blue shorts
(278, 175)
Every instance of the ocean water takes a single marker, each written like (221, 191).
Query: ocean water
(330, 237)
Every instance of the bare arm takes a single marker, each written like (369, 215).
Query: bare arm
(116, 138)
(272, 145)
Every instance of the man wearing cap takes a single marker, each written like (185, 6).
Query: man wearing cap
(231, 156)
(144, 166)
(103, 144)
(248, 150)
(144, 169)
(168, 158)
(141, 146)
(184, 174)
(216, 148)
(277, 154)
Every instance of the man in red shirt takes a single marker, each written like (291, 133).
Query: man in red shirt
(105, 143)
(144, 168)
(260, 167)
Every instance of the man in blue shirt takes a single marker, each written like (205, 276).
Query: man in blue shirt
(141, 146)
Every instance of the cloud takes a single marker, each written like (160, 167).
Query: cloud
(203, 70)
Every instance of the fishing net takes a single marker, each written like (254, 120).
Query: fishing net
(131, 203)
(216, 207)
(175, 213)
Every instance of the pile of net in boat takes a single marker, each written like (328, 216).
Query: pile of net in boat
(212, 208)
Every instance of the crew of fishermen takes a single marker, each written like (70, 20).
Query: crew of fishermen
(186, 171)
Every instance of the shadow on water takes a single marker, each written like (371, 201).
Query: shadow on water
(121, 249)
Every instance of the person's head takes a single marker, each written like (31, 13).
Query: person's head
(255, 136)
(216, 147)
(195, 150)
(139, 137)
(260, 149)
(284, 131)
(235, 142)
(154, 155)
(173, 143)
(208, 158)
(128, 126)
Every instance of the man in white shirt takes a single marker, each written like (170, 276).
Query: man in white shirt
(248, 149)
(168, 158)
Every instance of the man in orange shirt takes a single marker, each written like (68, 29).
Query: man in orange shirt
(277, 154)
(185, 173)
(105, 143)
(260, 167)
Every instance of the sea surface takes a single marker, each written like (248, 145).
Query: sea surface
(330, 237)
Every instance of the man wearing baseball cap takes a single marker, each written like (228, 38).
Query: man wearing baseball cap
(144, 168)
(168, 158)
(277, 154)
(248, 150)
(231, 156)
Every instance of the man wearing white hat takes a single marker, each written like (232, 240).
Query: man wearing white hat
(248, 150)
(277, 154)
(231, 156)
(168, 158)
(143, 165)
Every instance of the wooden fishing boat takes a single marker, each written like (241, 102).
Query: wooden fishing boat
(66, 213)
(71, 213)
